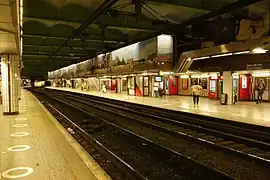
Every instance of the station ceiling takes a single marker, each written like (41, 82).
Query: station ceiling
(55, 33)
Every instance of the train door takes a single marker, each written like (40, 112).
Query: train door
(220, 87)
(166, 81)
(146, 86)
(173, 85)
(213, 88)
(131, 86)
(244, 87)
(236, 87)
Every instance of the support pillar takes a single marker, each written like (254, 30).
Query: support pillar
(10, 83)
(118, 85)
(228, 85)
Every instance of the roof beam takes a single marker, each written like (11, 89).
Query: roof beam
(48, 54)
(108, 40)
(203, 5)
(112, 25)
(43, 64)
(55, 47)
(56, 56)
(177, 28)
(101, 9)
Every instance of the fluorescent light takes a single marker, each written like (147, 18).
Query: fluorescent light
(221, 55)
(166, 73)
(198, 58)
(184, 76)
(200, 76)
(144, 74)
(205, 76)
(100, 55)
(242, 52)
(195, 76)
(259, 50)
(261, 74)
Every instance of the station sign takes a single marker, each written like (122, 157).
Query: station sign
(256, 66)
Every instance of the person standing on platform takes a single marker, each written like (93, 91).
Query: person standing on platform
(156, 89)
(260, 89)
(196, 92)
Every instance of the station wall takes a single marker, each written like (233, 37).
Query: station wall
(154, 53)
(184, 86)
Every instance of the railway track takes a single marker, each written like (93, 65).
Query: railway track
(137, 156)
(223, 137)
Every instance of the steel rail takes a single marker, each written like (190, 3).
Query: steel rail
(182, 134)
(188, 159)
(121, 164)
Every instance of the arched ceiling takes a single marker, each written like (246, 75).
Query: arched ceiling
(48, 23)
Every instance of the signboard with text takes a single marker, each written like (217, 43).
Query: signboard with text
(255, 66)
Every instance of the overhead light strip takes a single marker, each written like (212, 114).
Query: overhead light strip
(205, 57)
(222, 55)
(259, 50)
(242, 52)
(228, 54)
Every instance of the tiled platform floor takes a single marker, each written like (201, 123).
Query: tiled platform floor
(46, 151)
(243, 111)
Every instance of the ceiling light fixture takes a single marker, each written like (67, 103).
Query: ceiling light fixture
(144, 74)
(241, 52)
(100, 55)
(189, 59)
(184, 76)
(259, 50)
(221, 55)
(198, 58)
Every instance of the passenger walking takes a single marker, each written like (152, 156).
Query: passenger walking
(260, 90)
(196, 91)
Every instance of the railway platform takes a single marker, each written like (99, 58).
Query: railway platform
(243, 111)
(35, 146)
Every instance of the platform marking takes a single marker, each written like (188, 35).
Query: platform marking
(7, 173)
(19, 134)
(21, 119)
(19, 125)
(18, 148)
